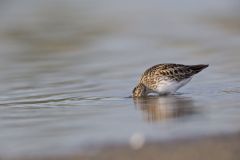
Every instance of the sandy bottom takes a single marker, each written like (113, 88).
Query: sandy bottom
(225, 147)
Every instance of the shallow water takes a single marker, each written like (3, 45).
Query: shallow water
(67, 69)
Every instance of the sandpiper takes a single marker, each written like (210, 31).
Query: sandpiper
(165, 78)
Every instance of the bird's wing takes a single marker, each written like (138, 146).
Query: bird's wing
(175, 72)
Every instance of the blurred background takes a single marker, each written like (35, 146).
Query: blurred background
(67, 66)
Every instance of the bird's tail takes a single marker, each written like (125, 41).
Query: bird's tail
(198, 68)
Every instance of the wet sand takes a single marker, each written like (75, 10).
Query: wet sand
(224, 147)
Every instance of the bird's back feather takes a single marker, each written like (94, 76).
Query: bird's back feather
(169, 72)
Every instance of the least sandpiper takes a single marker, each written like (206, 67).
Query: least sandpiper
(165, 78)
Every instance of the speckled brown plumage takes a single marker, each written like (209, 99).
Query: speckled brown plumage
(165, 72)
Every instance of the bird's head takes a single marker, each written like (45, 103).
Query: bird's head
(139, 90)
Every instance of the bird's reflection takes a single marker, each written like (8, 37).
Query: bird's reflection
(166, 107)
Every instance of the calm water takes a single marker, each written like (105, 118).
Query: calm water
(66, 68)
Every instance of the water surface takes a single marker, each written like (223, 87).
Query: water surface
(67, 69)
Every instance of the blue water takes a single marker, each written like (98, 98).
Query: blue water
(67, 69)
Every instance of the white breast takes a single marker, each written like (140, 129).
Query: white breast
(166, 87)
